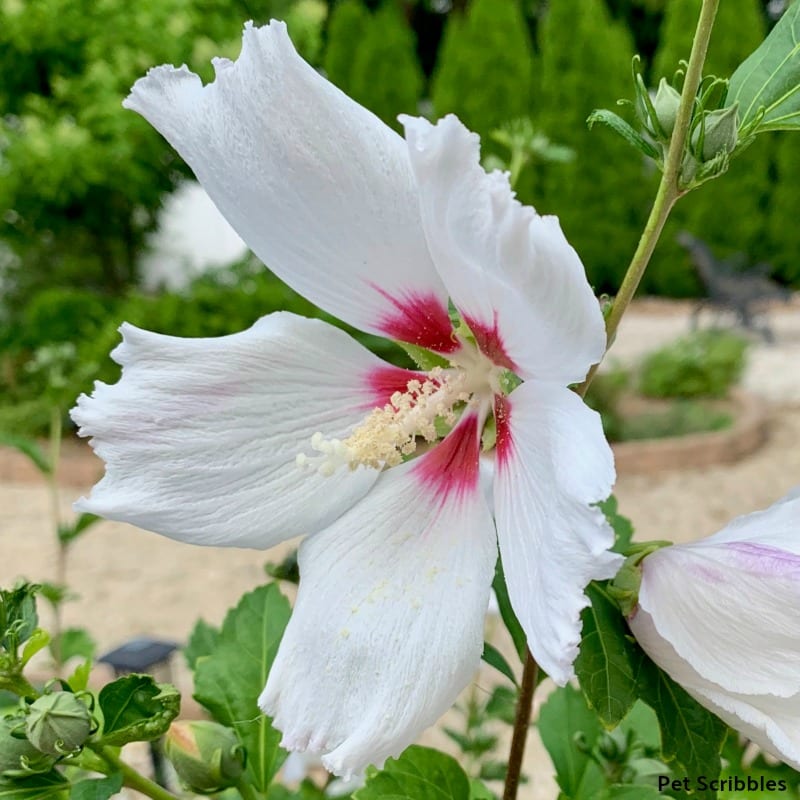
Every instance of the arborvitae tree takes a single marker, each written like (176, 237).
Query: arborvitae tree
(387, 77)
(600, 197)
(784, 232)
(484, 71)
(729, 212)
(346, 28)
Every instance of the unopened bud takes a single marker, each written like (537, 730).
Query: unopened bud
(58, 723)
(206, 755)
(18, 757)
(721, 132)
(666, 104)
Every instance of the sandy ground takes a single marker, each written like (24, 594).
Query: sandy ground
(131, 582)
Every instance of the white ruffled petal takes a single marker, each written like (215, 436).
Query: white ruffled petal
(730, 601)
(388, 624)
(514, 277)
(771, 722)
(553, 462)
(318, 187)
(200, 436)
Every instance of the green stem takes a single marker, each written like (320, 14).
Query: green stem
(246, 790)
(19, 685)
(130, 777)
(669, 189)
(55, 517)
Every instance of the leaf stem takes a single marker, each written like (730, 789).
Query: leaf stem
(522, 722)
(245, 789)
(669, 189)
(130, 777)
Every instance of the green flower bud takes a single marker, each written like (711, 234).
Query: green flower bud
(666, 104)
(58, 723)
(18, 757)
(207, 756)
(721, 132)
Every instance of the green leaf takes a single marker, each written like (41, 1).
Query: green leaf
(28, 448)
(502, 704)
(569, 730)
(229, 681)
(608, 660)
(769, 79)
(690, 736)
(420, 773)
(49, 786)
(621, 127)
(38, 640)
(100, 789)
(74, 642)
(203, 641)
(18, 617)
(622, 526)
(307, 790)
(507, 612)
(494, 658)
(478, 791)
(136, 709)
(636, 791)
(68, 532)
(79, 679)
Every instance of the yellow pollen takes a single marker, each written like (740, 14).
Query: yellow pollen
(389, 433)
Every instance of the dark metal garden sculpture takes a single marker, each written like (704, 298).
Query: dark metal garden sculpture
(732, 285)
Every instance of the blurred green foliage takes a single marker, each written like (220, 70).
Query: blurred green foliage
(702, 364)
(386, 76)
(82, 180)
(602, 195)
(484, 72)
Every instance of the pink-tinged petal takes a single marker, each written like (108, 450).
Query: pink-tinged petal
(553, 463)
(511, 273)
(317, 186)
(775, 526)
(200, 436)
(388, 624)
(725, 604)
(771, 722)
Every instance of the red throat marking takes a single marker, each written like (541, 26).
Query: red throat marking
(451, 468)
(419, 319)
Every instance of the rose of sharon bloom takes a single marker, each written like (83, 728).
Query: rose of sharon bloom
(291, 427)
(721, 617)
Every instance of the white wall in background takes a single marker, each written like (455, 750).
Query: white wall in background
(192, 238)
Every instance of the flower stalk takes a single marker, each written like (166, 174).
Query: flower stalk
(668, 192)
(131, 778)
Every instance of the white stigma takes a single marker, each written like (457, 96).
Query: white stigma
(390, 433)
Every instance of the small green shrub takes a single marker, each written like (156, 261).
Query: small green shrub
(703, 364)
(680, 419)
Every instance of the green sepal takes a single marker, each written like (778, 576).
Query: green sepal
(425, 359)
(625, 130)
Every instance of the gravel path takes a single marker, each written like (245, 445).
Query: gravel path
(130, 582)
